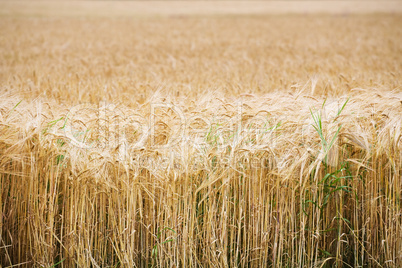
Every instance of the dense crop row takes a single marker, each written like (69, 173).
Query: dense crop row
(267, 141)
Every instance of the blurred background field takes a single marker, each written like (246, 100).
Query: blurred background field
(186, 55)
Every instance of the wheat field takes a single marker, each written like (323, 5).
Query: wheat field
(188, 134)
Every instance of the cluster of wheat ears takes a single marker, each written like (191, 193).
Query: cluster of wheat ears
(221, 141)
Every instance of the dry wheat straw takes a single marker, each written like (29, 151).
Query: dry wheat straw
(311, 201)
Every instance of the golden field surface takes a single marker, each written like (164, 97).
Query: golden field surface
(188, 134)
